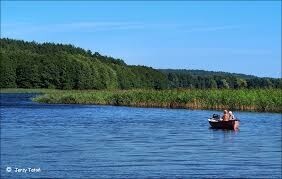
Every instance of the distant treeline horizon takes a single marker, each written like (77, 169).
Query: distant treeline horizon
(59, 66)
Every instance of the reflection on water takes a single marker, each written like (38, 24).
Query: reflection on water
(85, 141)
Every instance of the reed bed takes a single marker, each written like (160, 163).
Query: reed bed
(264, 100)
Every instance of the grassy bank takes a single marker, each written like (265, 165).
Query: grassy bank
(265, 100)
(24, 90)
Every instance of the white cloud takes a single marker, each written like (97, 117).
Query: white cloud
(212, 28)
(27, 28)
(23, 28)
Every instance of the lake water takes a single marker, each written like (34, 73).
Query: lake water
(89, 141)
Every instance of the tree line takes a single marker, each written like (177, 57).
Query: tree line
(218, 80)
(49, 65)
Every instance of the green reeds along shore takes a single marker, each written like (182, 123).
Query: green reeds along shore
(264, 100)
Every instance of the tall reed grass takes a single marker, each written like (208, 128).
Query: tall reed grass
(266, 100)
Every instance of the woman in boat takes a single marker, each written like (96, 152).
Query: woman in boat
(231, 116)
(225, 116)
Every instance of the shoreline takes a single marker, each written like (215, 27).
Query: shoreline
(179, 106)
(255, 100)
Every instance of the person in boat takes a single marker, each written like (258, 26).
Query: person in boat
(231, 116)
(225, 116)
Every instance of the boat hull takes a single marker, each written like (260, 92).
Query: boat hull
(231, 124)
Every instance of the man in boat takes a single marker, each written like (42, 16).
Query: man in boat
(231, 116)
(225, 116)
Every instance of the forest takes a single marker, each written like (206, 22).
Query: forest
(59, 66)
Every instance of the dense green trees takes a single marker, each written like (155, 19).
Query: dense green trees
(49, 65)
(221, 80)
(7, 72)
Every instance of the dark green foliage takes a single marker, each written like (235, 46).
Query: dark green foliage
(206, 73)
(7, 72)
(58, 66)
(48, 65)
(211, 80)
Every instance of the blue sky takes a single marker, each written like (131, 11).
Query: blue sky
(241, 37)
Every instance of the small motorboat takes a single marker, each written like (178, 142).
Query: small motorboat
(217, 123)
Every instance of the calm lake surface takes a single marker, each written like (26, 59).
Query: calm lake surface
(83, 141)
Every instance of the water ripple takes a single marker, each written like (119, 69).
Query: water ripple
(84, 141)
